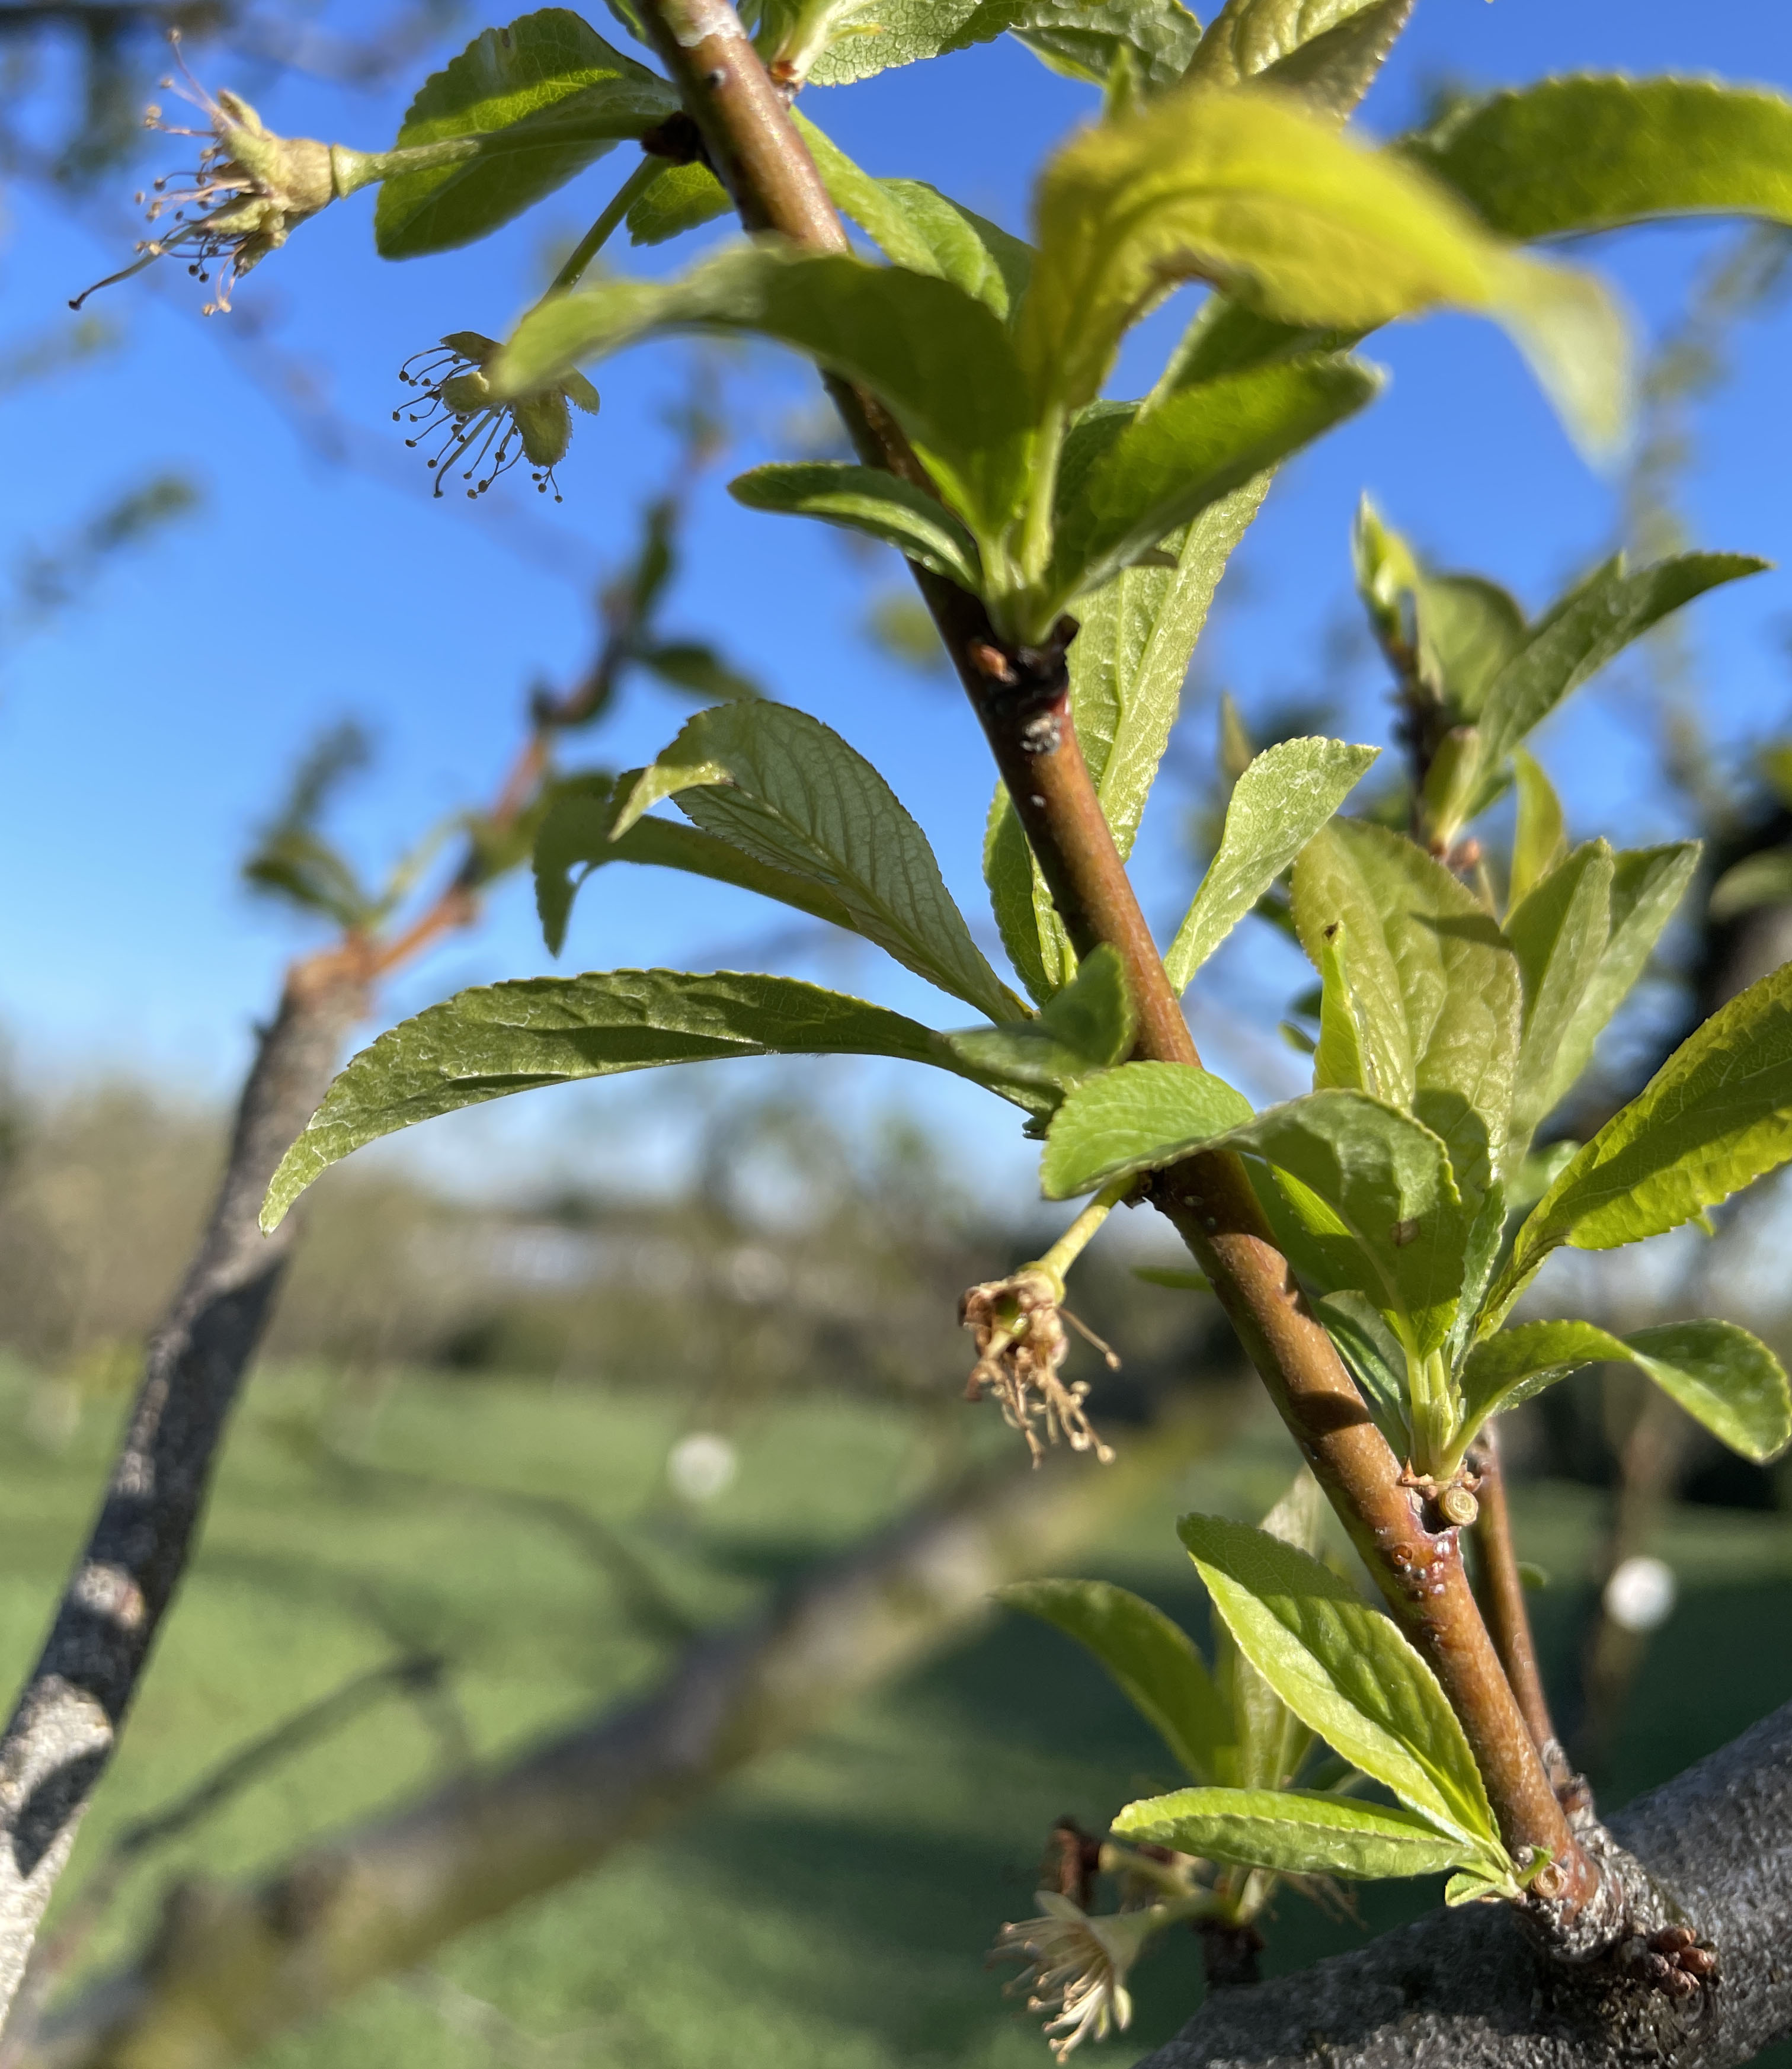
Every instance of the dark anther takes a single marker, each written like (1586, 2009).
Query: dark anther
(678, 139)
(1673, 1940)
(1699, 1961)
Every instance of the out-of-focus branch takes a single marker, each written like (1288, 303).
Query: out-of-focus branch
(228, 1967)
(54, 1955)
(66, 1723)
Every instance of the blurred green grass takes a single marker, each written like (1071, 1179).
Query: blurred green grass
(829, 1910)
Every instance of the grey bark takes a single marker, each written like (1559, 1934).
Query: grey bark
(230, 1966)
(1467, 1989)
(68, 1718)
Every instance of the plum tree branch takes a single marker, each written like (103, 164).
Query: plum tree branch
(228, 1966)
(1022, 698)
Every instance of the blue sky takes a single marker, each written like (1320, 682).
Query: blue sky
(143, 733)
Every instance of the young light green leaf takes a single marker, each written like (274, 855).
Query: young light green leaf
(1468, 629)
(789, 791)
(1720, 1374)
(681, 197)
(1376, 1361)
(1086, 39)
(1338, 1058)
(1089, 1026)
(1765, 879)
(871, 500)
(939, 358)
(1249, 38)
(698, 669)
(1295, 1833)
(1715, 1117)
(1134, 1119)
(1332, 71)
(1591, 152)
(1344, 1669)
(856, 39)
(1127, 667)
(1559, 933)
(1541, 838)
(1577, 639)
(1153, 1660)
(510, 1038)
(1648, 884)
(1285, 795)
(1387, 1179)
(577, 832)
(547, 95)
(1434, 982)
(1170, 463)
(915, 225)
(1302, 226)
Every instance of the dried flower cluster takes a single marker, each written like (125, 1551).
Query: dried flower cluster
(1019, 1327)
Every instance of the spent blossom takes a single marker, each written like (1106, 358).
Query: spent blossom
(1077, 1965)
(1017, 1325)
(247, 193)
(459, 412)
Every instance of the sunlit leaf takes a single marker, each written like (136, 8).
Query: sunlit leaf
(1295, 1833)
(547, 94)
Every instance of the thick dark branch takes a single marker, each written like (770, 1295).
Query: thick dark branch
(1465, 1989)
(231, 1966)
(66, 1721)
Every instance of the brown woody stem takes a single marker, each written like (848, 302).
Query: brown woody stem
(1022, 698)
(1501, 1591)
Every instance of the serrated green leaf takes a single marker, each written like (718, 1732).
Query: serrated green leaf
(1284, 795)
(1720, 1374)
(940, 358)
(1248, 38)
(1295, 1833)
(869, 500)
(576, 833)
(1333, 69)
(1648, 884)
(1089, 1026)
(914, 225)
(1153, 39)
(1153, 1661)
(1169, 463)
(1715, 1117)
(681, 197)
(1572, 642)
(1756, 880)
(549, 94)
(510, 1038)
(1435, 984)
(1387, 1179)
(1541, 838)
(789, 791)
(1135, 1119)
(858, 41)
(1559, 933)
(1592, 151)
(1344, 1669)
(1265, 203)
(1128, 664)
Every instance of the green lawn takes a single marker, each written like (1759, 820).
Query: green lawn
(832, 1906)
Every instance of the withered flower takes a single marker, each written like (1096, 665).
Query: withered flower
(459, 412)
(1018, 1324)
(246, 194)
(1077, 1965)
